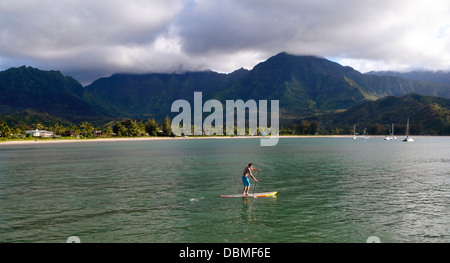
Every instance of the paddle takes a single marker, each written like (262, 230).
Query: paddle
(254, 188)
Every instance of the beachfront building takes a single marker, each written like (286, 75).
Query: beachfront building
(40, 133)
(100, 133)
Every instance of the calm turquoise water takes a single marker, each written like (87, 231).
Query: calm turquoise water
(329, 190)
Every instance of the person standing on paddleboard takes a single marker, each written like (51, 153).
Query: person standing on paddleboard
(248, 171)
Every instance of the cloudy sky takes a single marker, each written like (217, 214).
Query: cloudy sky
(90, 39)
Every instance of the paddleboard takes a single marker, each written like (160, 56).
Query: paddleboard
(250, 195)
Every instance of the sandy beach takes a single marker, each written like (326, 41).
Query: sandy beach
(46, 141)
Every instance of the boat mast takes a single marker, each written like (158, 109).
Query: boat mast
(407, 128)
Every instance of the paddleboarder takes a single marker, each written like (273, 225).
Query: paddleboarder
(248, 171)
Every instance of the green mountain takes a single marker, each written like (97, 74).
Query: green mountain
(306, 87)
(152, 95)
(27, 89)
(428, 115)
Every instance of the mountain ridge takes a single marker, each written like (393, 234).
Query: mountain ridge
(427, 114)
(27, 88)
(306, 86)
(440, 76)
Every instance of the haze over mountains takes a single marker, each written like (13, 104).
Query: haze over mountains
(430, 76)
(306, 87)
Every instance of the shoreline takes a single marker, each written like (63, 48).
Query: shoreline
(124, 139)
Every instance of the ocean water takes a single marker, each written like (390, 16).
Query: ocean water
(329, 190)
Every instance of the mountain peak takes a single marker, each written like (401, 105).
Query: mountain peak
(286, 54)
(304, 65)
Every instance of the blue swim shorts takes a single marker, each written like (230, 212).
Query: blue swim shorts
(245, 181)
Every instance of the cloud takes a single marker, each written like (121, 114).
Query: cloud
(89, 39)
(81, 34)
(382, 33)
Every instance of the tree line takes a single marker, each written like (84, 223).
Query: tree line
(125, 128)
(150, 127)
(130, 128)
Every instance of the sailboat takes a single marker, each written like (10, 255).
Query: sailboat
(392, 134)
(365, 137)
(354, 132)
(391, 137)
(408, 139)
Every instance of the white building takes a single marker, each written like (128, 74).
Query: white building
(40, 133)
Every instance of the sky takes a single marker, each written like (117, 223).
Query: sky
(89, 39)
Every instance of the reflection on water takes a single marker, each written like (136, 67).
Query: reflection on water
(329, 190)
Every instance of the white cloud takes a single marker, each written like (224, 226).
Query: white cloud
(103, 37)
(33, 26)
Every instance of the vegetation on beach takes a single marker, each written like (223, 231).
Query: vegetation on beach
(85, 130)
(136, 128)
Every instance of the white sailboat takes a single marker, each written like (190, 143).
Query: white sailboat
(408, 139)
(365, 137)
(392, 134)
(391, 137)
(354, 132)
